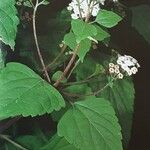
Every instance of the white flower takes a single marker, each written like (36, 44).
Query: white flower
(120, 76)
(74, 16)
(129, 64)
(117, 71)
(116, 66)
(134, 70)
(111, 70)
(129, 72)
(81, 8)
(111, 65)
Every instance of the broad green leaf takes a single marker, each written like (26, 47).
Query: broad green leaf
(101, 34)
(91, 125)
(82, 30)
(58, 143)
(107, 19)
(142, 24)
(23, 92)
(121, 96)
(85, 45)
(8, 22)
(57, 76)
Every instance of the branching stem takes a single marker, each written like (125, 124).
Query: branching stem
(68, 66)
(36, 41)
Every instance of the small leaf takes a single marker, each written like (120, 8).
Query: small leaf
(57, 76)
(107, 18)
(58, 143)
(92, 126)
(23, 92)
(8, 22)
(45, 2)
(85, 45)
(80, 90)
(82, 30)
(101, 34)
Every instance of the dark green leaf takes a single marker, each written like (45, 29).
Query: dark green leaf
(121, 95)
(91, 125)
(23, 92)
(8, 22)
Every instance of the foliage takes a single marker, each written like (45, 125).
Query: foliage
(63, 73)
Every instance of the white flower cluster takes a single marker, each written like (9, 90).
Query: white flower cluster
(126, 65)
(115, 70)
(81, 8)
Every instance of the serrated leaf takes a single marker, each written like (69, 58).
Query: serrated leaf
(82, 30)
(92, 126)
(8, 22)
(58, 143)
(84, 47)
(121, 96)
(23, 92)
(107, 18)
(101, 34)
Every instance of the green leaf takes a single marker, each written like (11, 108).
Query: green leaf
(107, 19)
(85, 45)
(8, 22)
(101, 34)
(82, 30)
(121, 96)
(82, 89)
(57, 76)
(92, 125)
(23, 92)
(58, 143)
(45, 2)
(142, 24)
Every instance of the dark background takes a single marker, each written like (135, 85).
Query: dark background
(131, 42)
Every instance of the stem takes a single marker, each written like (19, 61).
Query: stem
(37, 44)
(68, 66)
(12, 142)
(76, 64)
(55, 60)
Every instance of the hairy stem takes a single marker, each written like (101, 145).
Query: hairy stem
(12, 142)
(68, 66)
(37, 44)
